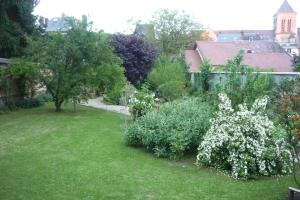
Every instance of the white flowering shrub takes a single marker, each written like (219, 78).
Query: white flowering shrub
(141, 102)
(245, 143)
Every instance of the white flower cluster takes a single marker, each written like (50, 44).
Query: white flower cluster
(242, 142)
(141, 102)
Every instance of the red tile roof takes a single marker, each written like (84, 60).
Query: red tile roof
(193, 60)
(263, 55)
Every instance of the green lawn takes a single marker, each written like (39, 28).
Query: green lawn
(47, 155)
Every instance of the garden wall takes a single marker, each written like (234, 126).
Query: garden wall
(220, 77)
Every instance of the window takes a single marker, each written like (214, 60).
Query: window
(283, 25)
(289, 28)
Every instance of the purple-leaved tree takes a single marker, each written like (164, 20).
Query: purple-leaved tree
(137, 54)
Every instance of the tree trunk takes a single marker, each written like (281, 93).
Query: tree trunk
(58, 105)
(74, 105)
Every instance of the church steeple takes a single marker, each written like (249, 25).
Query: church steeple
(285, 25)
(285, 8)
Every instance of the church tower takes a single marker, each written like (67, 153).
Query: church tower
(285, 24)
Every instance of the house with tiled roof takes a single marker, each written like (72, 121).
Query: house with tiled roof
(284, 31)
(262, 55)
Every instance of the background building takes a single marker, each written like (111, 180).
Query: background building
(284, 32)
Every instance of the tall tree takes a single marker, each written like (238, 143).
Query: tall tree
(175, 30)
(68, 60)
(138, 56)
(16, 20)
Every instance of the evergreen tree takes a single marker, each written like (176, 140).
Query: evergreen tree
(16, 20)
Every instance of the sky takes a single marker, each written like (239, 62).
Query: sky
(113, 15)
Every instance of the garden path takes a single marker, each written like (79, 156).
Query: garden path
(98, 103)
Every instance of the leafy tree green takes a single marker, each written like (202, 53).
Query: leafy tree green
(167, 78)
(205, 76)
(175, 30)
(18, 80)
(242, 84)
(110, 80)
(68, 60)
(16, 20)
(297, 67)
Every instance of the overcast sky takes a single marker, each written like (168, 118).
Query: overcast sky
(112, 15)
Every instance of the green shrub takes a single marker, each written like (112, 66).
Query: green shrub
(176, 128)
(141, 102)
(28, 103)
(167, 78)
(44, 98)
(170, 90)
(128, 92)
(111, 81)
(4, 110)
(243, 84)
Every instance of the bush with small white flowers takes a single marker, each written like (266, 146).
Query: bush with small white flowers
(141, 102)
(245, 143)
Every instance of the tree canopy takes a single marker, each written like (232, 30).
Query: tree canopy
(16, 20)
(138, 56)
(69, 60)
(175, 30)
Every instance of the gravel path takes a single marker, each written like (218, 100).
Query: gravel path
(98, 103)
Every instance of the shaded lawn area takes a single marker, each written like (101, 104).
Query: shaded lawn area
(48, 155)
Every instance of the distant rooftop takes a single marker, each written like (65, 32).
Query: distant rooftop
(286, 8)
(263, 55)
(249, 35)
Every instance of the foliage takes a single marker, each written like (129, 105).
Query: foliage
(177, 127)
(138, 56)
(128, 92)
(44, 97)
(175, 30)
(111, 81)
(170, 91)
(29, 103)
(243, 84)
(289, 110)
(297, 63)
(18, 80)
(69, 60)
(245, 142)
(16, 20)
(297, 67)
(167, 78)
(205, 76)
(141, 102)
(4, 110)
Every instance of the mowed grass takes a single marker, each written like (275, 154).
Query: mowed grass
(82, 155)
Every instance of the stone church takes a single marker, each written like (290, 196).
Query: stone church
(284, 32)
